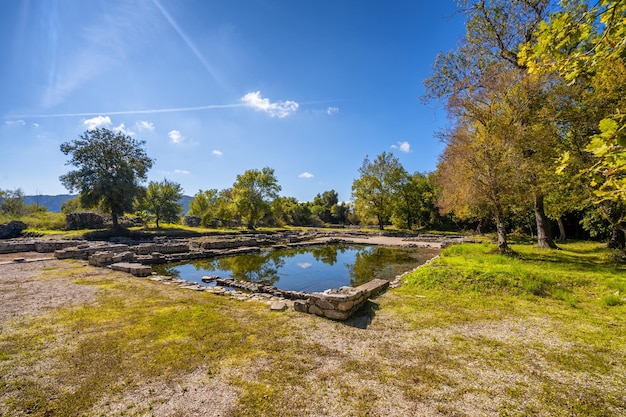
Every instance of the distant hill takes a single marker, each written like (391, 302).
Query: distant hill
(50, 202)
(53, 202)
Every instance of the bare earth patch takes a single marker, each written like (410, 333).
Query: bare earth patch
(24, 292)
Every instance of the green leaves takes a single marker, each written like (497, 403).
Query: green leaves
(109, 169)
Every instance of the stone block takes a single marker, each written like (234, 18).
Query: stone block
(313, 309)
(301, 306)
(337, 315)
(278, 306)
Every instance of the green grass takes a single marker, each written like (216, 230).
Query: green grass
(472, 332)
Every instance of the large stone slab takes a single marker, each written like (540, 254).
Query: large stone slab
(136, 269)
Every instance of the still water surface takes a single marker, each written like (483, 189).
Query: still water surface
(306, 269)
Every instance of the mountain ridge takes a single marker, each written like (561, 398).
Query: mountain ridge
(53, 203)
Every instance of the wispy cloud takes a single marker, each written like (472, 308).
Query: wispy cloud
(217, 153)
(304, 265)
(306, 175)
(332, 110)
(143, 125)
(278, 109)
(182, 171)
(15, 122)
(127, 112)
(175, 136)
(402, 147)
(187, 41)
(97, 121)
(100, 45)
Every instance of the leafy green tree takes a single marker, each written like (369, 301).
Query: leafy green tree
(253, 192)
(415, 203)
(161, 201)
(12, 202)
(204, 205)
(375, 190)
(110, 167)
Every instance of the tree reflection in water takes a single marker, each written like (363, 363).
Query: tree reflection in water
(312, 268)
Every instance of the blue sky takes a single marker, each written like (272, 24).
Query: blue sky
(309, 88)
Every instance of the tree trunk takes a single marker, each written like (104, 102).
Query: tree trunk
(618, 238)
(544, 231)
(381, 224)
(116, 225)
(562, 235)
(503, 245)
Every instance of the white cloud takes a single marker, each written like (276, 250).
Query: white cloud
(97, 121)
(182, 171)
(15, 122)
(306, 175)
(36, 124)
(305, 265)
(122, 129)
(217, 153)
(143, 125)
(278, 109)
(332, 110)
(175, 136)
(402, 147)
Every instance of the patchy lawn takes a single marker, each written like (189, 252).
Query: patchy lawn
(471, 334)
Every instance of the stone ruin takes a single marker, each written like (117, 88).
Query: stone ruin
(137, 257)
(84, 220)
(12, 229)
(340, 304)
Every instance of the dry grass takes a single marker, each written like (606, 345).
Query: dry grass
(482, 345)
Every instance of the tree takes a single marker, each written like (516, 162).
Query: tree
(203, 205)
(12, 202)
(495, 30)
(252, 194)
(374, 191)
(415, 203)
(324, 204)
(110, 167)
(476, 174)
(161, 201)
(586, 45)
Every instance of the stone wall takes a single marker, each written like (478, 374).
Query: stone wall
(340, 304)
(84, 220)
(41, 246)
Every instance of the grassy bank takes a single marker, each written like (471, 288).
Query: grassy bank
(472, 333)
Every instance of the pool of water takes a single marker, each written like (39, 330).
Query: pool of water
(307, 269)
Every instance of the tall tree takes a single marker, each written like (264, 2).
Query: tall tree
(252, 193)
(495, 30)
(161, 201)
(477, 171)
(374, 191)
(586, 45)
(415, 202)
(110, 169)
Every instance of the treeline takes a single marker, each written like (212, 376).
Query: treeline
(536, 93)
